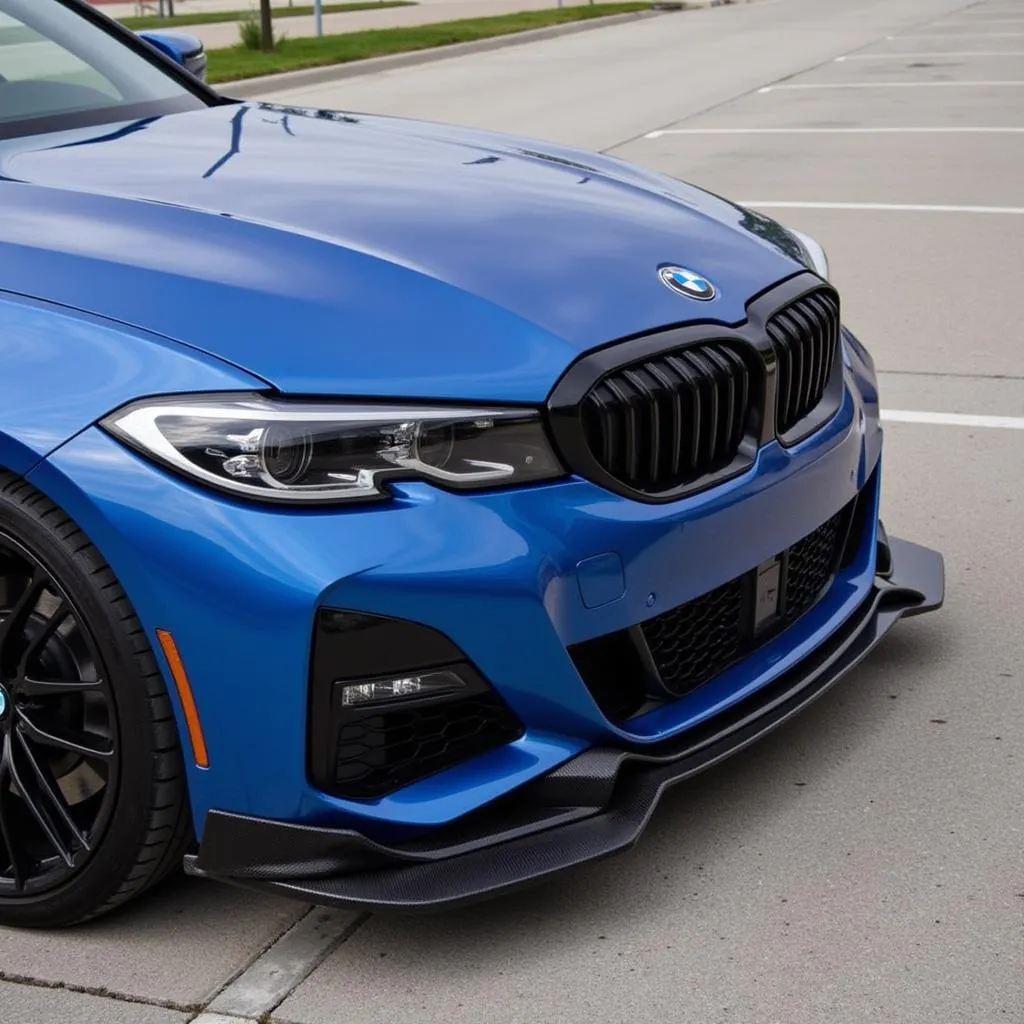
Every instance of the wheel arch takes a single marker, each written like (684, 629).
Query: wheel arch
(75, 502)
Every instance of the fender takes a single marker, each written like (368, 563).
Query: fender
(62, 369)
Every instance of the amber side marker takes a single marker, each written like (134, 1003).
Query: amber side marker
(188, 703)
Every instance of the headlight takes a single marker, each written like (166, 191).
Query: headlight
(275, 450)
(814, 255)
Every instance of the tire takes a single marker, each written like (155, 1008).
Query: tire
(76, 668)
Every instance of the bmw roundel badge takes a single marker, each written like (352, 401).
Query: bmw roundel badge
(687, 283)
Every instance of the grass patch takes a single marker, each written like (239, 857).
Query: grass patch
(293, 54)
(214, 17)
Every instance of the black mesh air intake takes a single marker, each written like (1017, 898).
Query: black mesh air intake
(382, 750)
(689, 645)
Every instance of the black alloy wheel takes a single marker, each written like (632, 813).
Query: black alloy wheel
(92, 790)
(58, 730)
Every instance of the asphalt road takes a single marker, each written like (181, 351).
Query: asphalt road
(866, 862)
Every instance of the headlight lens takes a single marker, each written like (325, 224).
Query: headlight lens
(814, 254)
(288, 451)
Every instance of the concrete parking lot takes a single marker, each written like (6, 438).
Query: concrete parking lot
(866, 862)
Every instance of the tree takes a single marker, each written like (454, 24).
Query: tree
(266, 26)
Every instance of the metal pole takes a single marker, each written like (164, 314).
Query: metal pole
(318, 7)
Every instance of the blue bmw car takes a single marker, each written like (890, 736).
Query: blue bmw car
(390, 512)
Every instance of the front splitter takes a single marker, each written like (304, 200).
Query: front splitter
(593, 806)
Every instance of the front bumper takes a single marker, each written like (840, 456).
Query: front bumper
(592, 806)
(504, 575)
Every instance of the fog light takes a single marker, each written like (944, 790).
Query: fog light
(381, 691)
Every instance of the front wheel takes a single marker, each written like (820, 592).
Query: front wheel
(93, 805)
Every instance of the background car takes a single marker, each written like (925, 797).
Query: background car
(182, 47)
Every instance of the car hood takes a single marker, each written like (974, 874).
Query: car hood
(343, 254)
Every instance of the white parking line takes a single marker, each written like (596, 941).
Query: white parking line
(886, 85)
(958, 35)
(953, 419)
(930, 53)
(772, 204)
(938, 130)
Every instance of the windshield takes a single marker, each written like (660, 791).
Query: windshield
(59, 70)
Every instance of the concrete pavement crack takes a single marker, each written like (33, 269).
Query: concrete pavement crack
(100, 991)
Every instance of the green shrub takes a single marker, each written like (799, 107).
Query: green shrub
(250, 32)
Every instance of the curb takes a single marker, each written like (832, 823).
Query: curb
(248, 88)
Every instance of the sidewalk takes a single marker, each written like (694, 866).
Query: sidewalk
(223, 34)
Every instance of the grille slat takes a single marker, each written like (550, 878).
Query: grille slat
(649, 422)
(625, 416)
(692, 393)
(821, 343)
(659, 424)
(742, 376)
(805, 336)
(708, 426)
(674, 443)
(830, 314)
(809, 336)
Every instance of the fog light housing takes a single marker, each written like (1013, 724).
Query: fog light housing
(392, 702)
(388, 691)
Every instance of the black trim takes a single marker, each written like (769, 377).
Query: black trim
(751, 335)
(594, 805)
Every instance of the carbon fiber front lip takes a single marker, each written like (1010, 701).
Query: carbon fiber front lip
(593, 806)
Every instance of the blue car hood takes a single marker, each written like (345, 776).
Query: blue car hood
(354, 255)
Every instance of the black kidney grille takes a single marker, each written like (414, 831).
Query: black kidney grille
(805, 336)
(671, 419)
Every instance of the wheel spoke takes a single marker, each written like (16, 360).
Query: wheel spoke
(56, 687)
(38, 643)
(49, 788)
(40, 813)
(6, 832)
(61, 739)
(17, 616)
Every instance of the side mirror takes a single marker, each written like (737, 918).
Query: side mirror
(182, 48)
